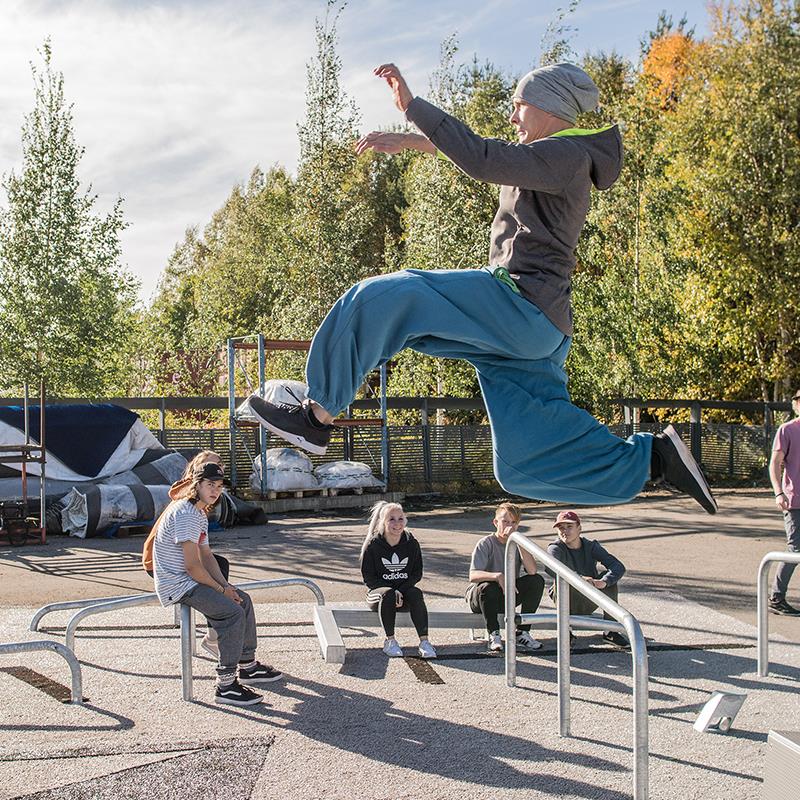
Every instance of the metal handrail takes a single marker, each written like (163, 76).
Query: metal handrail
(625, 620)
(76, 695)
(103, 606)
(65, 605)
(762, 587)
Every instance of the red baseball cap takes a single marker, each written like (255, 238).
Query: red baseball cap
(567, 516)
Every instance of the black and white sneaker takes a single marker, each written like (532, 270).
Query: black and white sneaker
(234, 694)
(616, 640)
(782, 607)
(292, 422)
(258, 673)
(673, 464)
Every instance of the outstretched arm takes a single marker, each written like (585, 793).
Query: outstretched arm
(393, 143)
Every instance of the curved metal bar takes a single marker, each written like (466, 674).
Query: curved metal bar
(67, 604)
(103, 608)
(56, 647)
(276, 583)
(564, 575)
(105, 605)
(762, 587)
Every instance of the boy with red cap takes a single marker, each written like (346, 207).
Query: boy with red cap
(582, 555)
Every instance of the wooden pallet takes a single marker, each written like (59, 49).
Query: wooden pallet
(321, 492)
(319, 499)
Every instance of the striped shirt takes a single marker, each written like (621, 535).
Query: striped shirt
(182, 522)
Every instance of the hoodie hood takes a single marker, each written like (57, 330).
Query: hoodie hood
(604, 146)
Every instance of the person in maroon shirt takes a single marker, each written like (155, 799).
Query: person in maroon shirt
(784, 474)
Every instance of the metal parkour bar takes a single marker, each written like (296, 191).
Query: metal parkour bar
(762, 587)
(625, 623)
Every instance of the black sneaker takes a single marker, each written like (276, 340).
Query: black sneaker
(616, 640)
(258, 673)
(292, 422)
(782, 607)
(234, 694)
(674, 464)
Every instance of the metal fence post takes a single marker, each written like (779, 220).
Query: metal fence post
(696, 432)
(162, 423)
(385, 451)
(769, 424)
(262, 431)
(232, 410)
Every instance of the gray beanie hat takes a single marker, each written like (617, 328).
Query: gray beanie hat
(560, 89)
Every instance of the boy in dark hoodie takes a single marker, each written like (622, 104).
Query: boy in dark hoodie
(583, 555)
(512, 320)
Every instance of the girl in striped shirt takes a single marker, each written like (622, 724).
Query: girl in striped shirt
(186, 571)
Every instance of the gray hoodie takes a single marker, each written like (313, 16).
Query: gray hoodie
(544, 198)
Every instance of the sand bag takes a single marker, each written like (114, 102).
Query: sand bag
(288, 470)
(346, 475)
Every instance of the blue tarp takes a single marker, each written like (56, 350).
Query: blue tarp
(82, 436)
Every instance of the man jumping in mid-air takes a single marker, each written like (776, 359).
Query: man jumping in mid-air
(511, 320)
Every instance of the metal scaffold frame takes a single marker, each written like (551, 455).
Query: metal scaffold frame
(23, 454)
(263, 345)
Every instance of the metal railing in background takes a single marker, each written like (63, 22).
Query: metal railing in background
(76, 693)
(762, 588)
(625, 623)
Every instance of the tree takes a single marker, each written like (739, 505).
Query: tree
(67, 307)
(337, 236)
(737, 159)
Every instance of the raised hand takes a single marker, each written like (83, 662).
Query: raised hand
(382, 142)
(397, 83)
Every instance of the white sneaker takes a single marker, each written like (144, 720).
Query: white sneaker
(495, 642)
(210, 645)
(392, 648)
(526, 641)
(426, 649)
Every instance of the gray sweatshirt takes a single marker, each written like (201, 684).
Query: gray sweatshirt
(544, 198)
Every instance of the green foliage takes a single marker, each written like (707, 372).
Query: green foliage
(557, 38)
(67, 308)
(687, 267)
(736, 157)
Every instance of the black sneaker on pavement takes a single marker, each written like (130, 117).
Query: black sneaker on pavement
(782, 607)
(258, 673)
(674, 464)
(292, 422)
(234, 694)
(616, 640)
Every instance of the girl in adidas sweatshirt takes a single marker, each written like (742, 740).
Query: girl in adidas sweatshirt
(391, 566)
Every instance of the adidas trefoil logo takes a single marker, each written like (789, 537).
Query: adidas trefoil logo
(394, 564)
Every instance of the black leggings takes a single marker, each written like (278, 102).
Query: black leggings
(382, 600)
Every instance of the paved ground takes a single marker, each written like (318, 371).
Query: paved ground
(378, 728)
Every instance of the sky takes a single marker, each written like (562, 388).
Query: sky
(176, 101)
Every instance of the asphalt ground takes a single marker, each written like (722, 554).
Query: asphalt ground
(403, 728)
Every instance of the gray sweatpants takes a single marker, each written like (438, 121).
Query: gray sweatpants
(791, 521)
(235, 626)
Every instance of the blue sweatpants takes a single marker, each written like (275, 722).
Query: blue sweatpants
(543, 446)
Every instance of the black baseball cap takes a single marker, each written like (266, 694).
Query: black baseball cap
(209, 471)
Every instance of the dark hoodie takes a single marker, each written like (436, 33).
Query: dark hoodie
(398, 567)
(544, 198)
